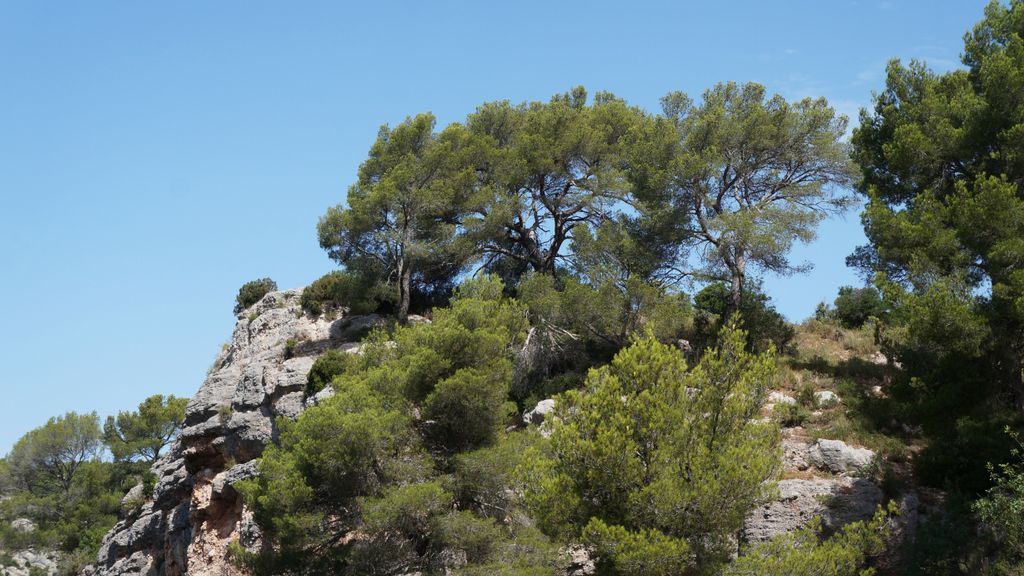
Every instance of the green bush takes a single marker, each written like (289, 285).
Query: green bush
(654, 475)
(330, 364)
(854, 306)
(1002, 509)
(790, 415)
(341, 290)
(764, 325)
(251, 292)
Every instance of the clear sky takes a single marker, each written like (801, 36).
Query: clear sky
(155, 156)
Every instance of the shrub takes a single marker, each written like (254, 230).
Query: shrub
(854, 306)
(251, 292)
(805, 396)
(469, 408)
(332, 363)
(764, 325)
(790, 415)
(340, 289)
(1002, 508)
(612, 473)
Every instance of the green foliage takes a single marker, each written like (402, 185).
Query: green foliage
(330, 364)
(854, 306)
(49, 457)
(940, 158)
(764, 325)
(367, 481)
(143, 434)
(481, 478)
(399, 226)
(341, 290)
(55, 479)
(803, 553)
(790, 415)
(619, 448)
(550, 167)
(611, 313)
(1001, 510)
(643, 553)
(470, 407)
(251, 292)
(741, 177)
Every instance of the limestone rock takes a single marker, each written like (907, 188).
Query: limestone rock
(794, 454)
(776, 397)
(194, 512)
(580, 562)
(134, 498)
(539, 413)
(25, 561)
(838, 457)
(23, 525)
(838, 501)
(826, 398)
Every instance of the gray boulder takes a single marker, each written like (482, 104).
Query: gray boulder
(539, 413)
(839, 457)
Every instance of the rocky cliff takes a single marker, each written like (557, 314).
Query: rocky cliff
(186, 525)
(193, 514)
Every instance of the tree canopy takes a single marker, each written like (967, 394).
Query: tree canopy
(940, 158)
(741, 176)
(404, 211)
(146, 432)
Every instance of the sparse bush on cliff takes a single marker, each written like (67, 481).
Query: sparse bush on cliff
(251, 292)
(340, 290)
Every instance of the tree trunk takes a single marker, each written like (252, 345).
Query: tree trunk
(738, 269)
(404, 288)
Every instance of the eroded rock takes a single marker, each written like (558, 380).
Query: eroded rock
(195, 512)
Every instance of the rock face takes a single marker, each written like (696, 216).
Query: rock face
(837, 497)
(194, 512)
(837, 501)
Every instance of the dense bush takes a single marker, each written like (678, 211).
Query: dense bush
(340, 290)
(364, 457)
(764, 325)
(251, 292)
(330, 364)
(54, 477)
(1002, 510)
(853, 306)
(612, 474)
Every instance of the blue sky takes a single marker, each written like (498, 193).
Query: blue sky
(155, 156)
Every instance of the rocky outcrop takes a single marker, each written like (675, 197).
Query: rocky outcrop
(28, 562)
(829, 488)
(194, 512)
(837, 501)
